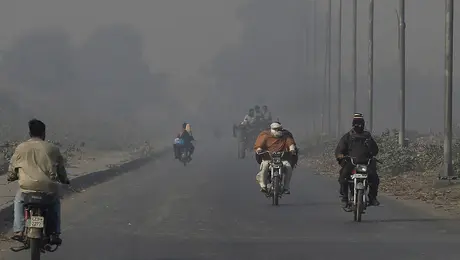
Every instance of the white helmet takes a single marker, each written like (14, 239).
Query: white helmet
(276, 129)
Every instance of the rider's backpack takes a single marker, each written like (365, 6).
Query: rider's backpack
(358, 145)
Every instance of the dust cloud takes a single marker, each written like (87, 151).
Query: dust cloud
(114, 70)
(274, 63)
(108, 71)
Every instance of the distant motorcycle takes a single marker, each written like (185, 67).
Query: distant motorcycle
(184, 152)
(184, 155)
(246, 136)
(241, 133)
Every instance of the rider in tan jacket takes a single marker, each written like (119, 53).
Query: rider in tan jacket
(39, 167)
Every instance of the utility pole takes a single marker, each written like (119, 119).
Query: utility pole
(315, 69)
(402, 59)
(329, 61)
(371, 65)
(355, 54)
(308, 76)
(339, 70)
(449, 49)
(324, 98)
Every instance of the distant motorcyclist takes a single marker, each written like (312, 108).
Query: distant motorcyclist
(249, 119)
(359, 145)
(274, 140)
(39, 167)
(258, 113)
(188, 128)
(266, 114)
(183, 139)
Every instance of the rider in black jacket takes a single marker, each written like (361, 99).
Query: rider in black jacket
(359, 145)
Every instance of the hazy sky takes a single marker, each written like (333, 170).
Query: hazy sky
(180, 35)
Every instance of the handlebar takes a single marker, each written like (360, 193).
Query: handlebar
(372, 158)
(264, 152)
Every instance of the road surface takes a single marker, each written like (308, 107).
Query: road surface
(212, 209)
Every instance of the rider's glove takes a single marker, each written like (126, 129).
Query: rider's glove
(11, 179)
(259, 150)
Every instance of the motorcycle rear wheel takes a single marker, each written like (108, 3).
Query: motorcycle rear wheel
(35, 248)
(241, 150)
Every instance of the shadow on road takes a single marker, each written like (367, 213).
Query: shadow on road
(84, 182)
(408, 220)
(310, 204)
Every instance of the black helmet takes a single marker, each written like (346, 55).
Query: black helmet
(358, 122)
(184, 125)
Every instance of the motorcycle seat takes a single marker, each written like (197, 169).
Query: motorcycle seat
(39, 199)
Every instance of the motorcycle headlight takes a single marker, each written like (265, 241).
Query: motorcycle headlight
(276, 160)
(361, 168)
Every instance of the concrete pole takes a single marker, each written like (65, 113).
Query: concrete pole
(324, 89)
(315, 68)
(329, 61)
(449, 49)
(371, 65)
(402, 60)
(355, 54)
(339, 70)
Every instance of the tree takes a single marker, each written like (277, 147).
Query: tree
(41, 60)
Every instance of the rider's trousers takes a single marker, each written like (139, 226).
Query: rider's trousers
(262, 176)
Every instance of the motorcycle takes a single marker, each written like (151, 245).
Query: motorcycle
(37, 224)
(184, 155)
(358, 189)
(184, 152)
(242, 135)
(246, 136)
(275, 177)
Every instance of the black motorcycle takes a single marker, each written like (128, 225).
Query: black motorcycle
(38, 224)
(184, 155)
(358, 189)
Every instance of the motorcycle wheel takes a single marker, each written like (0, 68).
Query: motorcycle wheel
(276, 191)
(183, 158)
(35, 248)
(359, 205)
(241, 150)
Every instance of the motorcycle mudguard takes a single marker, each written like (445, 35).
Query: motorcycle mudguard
(360, 186)
(34, 233)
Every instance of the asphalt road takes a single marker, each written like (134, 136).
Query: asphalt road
(212, 209)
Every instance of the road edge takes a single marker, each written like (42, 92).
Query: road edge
(424, 207)
(86, 181)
